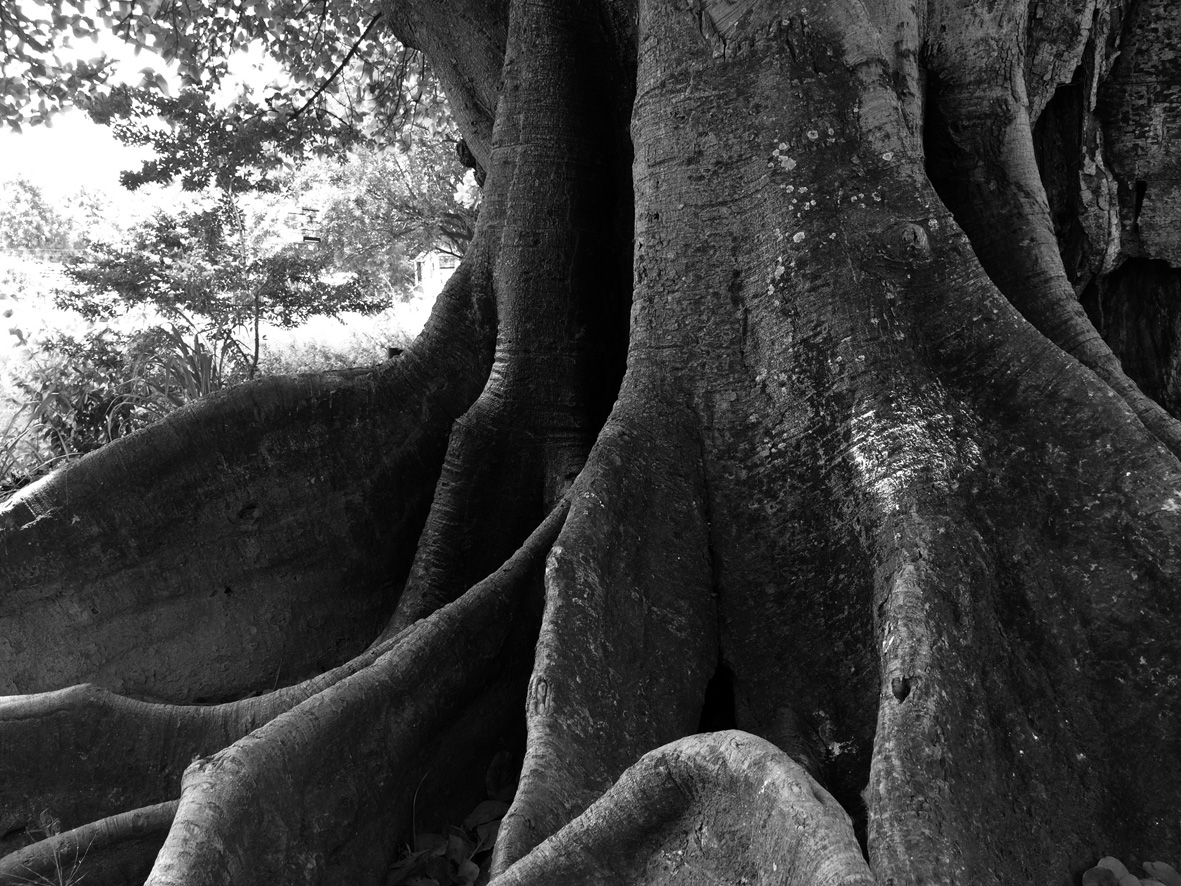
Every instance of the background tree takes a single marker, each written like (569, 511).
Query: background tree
(171, 311)
(380, 210)
(373, 210)
(29, 222)
(213, 272)
(868, 486)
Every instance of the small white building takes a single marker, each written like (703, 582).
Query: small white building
(432, 270)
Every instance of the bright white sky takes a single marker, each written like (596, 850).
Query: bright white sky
(74, 152)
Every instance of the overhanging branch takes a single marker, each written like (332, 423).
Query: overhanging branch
(336, 73)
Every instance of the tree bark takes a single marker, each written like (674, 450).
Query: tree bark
(250, 540)
(871, 563)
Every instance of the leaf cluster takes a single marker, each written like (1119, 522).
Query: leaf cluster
(28, 221)
(37, 79)
(347, 80)
(76, 394)
(236, 149)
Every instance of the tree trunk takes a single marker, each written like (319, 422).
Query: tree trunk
(866, 569)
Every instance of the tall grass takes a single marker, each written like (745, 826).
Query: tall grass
(65, 401)
(69, 401)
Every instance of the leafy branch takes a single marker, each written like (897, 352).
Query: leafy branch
(339, 68)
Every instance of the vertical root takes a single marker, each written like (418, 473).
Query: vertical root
(982, 162)
(1013, 702)
(558, 187)
(487, 499)
(629, 638)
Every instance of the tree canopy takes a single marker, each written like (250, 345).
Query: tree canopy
(347, 79)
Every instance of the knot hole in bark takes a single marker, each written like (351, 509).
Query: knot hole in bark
(900, 687)
(914, 240)
(539, 699)
(907, 244)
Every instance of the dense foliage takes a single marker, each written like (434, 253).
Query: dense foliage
(212, 277)
(176, 306)
(347, 80)
(208, 272)
(29, 222)
(384, 208)
(73, 394)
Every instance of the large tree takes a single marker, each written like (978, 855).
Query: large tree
(765, 347)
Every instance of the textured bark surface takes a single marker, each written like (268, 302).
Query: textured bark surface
(865, 570)
(252, 540)
(558, 174)
(726, 807)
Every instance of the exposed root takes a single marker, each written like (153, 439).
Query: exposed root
(629, 637)
(83, 753)
(293, 801)
(488, 496)
(1013, 703)
(113, 851)
(725, 807)
(254, 536)
(513, 570)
